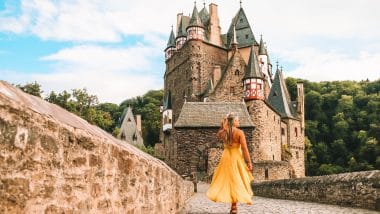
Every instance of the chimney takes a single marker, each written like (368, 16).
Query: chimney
(215, 30)
(138, 123)
(216, 74)
(179, 17)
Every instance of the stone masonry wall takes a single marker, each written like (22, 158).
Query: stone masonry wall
(194, 146)
(356, 189)
(275, 169)
(52, 161)
(267, 134)
(230, 87)
(297, 147)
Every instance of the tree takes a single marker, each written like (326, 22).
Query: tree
(32, 88)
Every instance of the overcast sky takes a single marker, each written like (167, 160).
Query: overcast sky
(114, 48)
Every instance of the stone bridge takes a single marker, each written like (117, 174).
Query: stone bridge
(200, 204)
(52, 161)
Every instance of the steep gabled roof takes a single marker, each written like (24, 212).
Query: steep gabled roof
(195, 20)
(182, 26)
(128, 130)
(210, 114)
(262, 48)
(171, 42)
(252, 70)
(205, 16)
(244, 32)
(279, 97)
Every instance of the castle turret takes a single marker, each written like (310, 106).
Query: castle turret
(253, 79)
(171, 47)
(181, 35)
(234, 43)
(167, 114)
(195, 30)
(263, 62)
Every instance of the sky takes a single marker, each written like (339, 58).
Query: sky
(115, 48)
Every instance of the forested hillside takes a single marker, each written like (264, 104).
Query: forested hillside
(342, 125)
(342, 120)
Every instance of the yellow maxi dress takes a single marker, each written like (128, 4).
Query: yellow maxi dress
(232, 178)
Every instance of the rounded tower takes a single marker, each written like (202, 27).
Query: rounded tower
(196, 29)
(253, 80)
(181, 36)
(171, 47)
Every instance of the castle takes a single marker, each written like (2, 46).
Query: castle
(209, 74)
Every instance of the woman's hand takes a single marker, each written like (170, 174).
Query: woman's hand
(250, 168)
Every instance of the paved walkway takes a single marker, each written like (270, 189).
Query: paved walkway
(200, 204)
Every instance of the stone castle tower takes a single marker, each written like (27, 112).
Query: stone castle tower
(208, 74)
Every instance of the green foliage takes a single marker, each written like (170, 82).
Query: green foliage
(342, 121)
(84, 105)
(148, 106)
(31, 88)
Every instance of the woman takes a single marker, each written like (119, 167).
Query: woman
(232, 177)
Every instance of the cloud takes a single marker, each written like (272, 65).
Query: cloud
(113, 74)
(315, 65)
(109, 21)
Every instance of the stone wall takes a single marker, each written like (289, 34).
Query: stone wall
(267, 134)
(52, 161)
(271, 170)
(296, 145)
(194, 147)
(356, 189)
(230, 87)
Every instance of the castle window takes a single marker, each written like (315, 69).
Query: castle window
(241, 20)
(232, 90)
(273, 157)
(296, 131)
(129, 120)
(297, 156)
(237, 72)
(246, 36)
(282, 131)
(266, 174)
(267, 113)
(274, 118)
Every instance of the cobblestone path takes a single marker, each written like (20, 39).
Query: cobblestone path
(199, 203)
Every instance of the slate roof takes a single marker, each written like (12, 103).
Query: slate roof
(210, 114)
(252, 69)
(262, 49)
(128, 130)
(195, 20)
(244, 32)
(182, 26)
(171, 42)
(204, 15)
(279, 97)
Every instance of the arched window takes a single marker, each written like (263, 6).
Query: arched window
(266, 173)
(237, 72)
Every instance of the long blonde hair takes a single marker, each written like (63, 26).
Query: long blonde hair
(227, 124)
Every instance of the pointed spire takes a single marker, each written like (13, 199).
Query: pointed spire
(195, 20)
(279, 96)
(252, 70)
(181, 31)
(171, 42)
(240, 4)
(234, 40)
(262, 49)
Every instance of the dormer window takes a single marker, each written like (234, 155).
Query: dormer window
(241, 20)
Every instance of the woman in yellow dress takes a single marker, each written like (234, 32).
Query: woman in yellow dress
(232, 177)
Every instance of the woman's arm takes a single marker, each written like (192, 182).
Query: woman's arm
(244, 148)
